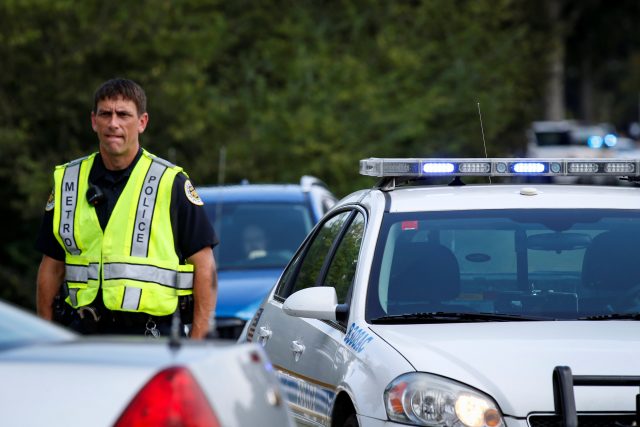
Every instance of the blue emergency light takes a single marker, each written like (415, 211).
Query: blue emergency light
(421, 167)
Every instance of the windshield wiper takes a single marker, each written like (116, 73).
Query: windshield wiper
(612, 316)
(446, 317)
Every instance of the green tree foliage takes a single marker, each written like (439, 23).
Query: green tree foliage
(288, 87)
(603, 51)
(330, 82)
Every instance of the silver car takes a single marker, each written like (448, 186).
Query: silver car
(53, 377)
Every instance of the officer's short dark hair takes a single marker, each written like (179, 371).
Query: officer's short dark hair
(127, 89)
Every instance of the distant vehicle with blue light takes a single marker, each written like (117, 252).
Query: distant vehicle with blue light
(423, 303)
(260, 226)
(575, 140)
(571, 139)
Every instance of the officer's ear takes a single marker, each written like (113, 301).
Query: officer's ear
(143, 120)
(93, 121)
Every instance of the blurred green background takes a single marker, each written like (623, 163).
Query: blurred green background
(297, 87)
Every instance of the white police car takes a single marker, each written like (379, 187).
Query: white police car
(464, 305)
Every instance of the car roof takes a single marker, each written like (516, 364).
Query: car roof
(290, 193)
(500, 196)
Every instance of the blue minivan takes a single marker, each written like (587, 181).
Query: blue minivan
(260, 227)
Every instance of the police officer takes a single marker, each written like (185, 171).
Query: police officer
(126, 232)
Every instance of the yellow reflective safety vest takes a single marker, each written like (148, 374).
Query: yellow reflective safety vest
(134, 259)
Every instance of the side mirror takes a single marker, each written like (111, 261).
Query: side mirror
(319, 302)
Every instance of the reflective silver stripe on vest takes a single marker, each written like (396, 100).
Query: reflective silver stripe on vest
(148, 273)
(144, 215)
(81, 273)
(73, 296)
(185, 280)
(131, 298)
(94, 271)
(68, 200)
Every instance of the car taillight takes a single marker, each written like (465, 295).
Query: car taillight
(172, 398)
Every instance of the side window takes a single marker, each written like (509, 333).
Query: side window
(343, 266)
(317, 251)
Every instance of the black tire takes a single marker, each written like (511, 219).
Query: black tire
(351, 421)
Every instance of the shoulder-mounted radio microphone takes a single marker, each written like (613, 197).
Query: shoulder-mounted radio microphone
(95, 195)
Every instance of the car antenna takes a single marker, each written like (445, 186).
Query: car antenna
(222, 166)
(174, 332)
(174, 335)
(222, 163)
(483, 140)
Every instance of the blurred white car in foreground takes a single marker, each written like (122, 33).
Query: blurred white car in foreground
(52, 377)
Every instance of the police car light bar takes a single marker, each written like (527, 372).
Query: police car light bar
(421, 167)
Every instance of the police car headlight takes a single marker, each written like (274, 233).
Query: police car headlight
(428, 400)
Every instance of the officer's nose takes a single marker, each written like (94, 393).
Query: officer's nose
(113, 121)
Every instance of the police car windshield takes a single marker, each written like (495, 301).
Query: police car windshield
(542, 263)
(258, 235)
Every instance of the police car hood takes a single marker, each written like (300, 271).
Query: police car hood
(513, 361)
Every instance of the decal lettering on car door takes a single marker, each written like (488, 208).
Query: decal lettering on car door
(357, 338)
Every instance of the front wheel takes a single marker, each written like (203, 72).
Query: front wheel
(351, 421)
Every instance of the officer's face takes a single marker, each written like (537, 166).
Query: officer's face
(117, 123)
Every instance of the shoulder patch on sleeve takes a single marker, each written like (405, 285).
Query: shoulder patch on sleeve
(192, 194)
(50, 202)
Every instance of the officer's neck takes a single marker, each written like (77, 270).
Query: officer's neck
(118, 162)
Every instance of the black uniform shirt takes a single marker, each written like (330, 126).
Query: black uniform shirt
(192, 229)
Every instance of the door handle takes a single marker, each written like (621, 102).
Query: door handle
(264, 333)
(297, 348)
